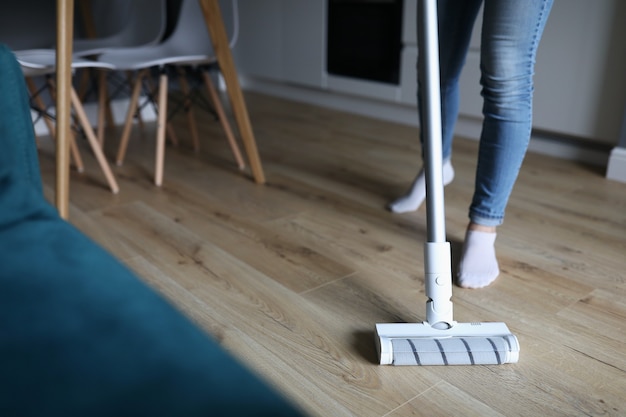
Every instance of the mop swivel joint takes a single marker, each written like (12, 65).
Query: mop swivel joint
(438, 281)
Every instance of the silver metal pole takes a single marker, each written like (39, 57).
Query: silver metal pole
(428, 72)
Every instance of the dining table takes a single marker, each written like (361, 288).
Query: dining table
(64, 38)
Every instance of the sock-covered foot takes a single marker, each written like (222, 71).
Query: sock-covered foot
(478, 266)
(416, 195)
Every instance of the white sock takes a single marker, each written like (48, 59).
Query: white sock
(478, 266)
(416, 195)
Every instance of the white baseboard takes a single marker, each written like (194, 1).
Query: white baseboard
(119, 108)
(407, 114)
(616, 169)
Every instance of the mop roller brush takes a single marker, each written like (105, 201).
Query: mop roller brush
(439, 340)
(463, 344)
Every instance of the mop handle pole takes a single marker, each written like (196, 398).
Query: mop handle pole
(438, 277)
(428, 73)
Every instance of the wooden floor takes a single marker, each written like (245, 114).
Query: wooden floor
(292, 276)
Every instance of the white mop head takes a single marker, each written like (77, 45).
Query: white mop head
(462, 344)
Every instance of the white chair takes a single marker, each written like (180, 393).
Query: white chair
(123, 24)
(188, 45)
(135, 23)
(31, 26)
(37, 62)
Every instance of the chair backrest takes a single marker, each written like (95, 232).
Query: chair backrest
(32, 24)
(124, 24)
(28, 24)
(189, 33)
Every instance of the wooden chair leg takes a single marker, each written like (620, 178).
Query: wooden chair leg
(93, 142)
(129, 80)
(171, 133)
(103, 102)
(75, 153)
(108, 112)
(221, 114)
(161, 122)
(128, 124)
(191, 119)
(217, 32)
(78, 160)
(32, 88)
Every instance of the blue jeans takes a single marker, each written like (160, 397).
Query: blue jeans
(511, 33)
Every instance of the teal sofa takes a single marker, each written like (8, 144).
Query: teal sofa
(81, 335)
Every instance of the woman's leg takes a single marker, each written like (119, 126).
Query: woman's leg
(511, 33)
(456, 21)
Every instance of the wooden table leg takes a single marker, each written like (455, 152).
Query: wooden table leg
(65, 25)
(215, 26)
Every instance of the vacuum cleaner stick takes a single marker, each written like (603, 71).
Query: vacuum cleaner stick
(439, 340)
